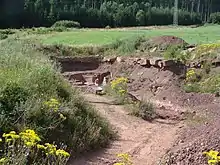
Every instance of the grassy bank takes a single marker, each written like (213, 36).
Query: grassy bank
(204, 34)
(34, 95)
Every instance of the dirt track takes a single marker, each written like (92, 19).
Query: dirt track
(145, 142)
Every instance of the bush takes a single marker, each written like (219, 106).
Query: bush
(215, 18)
(3, 36)
(24, 148)
(128, 45)
(42, 100)
(119, 89)
(67, 24)
(145, 110)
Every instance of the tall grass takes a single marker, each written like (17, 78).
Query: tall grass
(28, 79)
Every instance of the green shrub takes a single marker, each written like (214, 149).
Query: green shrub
(3, 36)
(145, 110)
(43, 30)
(25, 148)
(29, 80)
(67, 24)
(128, 45)
(175, 52)
(7, 31)
(215, 18)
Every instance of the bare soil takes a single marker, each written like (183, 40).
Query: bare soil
(145, 142)
(190, 124)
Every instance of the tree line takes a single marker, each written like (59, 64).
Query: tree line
(102, 13)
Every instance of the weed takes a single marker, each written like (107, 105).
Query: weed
(119, 89)
(175, 52)
(34, 95)
(24, 148)
(144, 109)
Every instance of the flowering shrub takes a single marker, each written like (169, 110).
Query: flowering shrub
(53, 104)
(124, 160)
(19, 147)
(213, 157)
(119, 88)
(119, 85)
(192, 76)
(205, 49)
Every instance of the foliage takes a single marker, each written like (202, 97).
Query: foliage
(3, 36)
(175, 52)
(34, 95)
(205, 51)
(191, 76)
(24, 148)
(124, 159)
(119, 89)
(42, 30)
(67, 24)
(144, 109)
(213, 157)
(215, 18)
(128, 45)
(29, 13)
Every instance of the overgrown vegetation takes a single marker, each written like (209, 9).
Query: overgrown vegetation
(215, 18)
(5, 33)
(29, 13)
(25, 148)
(119, 89)
(203, 79)
(144, 109)
(34, 95)
(66, 24)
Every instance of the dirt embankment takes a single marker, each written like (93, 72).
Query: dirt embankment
(160, 81)
(190, 123)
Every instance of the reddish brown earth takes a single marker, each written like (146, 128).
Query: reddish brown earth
(190, 123)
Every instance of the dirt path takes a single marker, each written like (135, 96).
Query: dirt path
(145, 142)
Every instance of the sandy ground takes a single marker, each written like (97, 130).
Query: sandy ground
(145, 142)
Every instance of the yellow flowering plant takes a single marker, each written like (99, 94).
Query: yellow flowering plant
(213, 157)
(19, 147)
(120, 88)
(52, 104)
(52, 109)
(206, 48)
(124, 159)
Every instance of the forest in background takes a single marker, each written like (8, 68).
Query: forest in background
(102, 13)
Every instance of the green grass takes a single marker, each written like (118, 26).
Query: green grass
(28, 79)
(204, 34)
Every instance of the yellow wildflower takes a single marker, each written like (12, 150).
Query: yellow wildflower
(53, 104)
(62, 153)
(39, 146)
(29, 137)
(51, 149)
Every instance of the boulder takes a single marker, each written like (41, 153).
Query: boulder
(109, 59)
(119, 59)
(144, 62)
